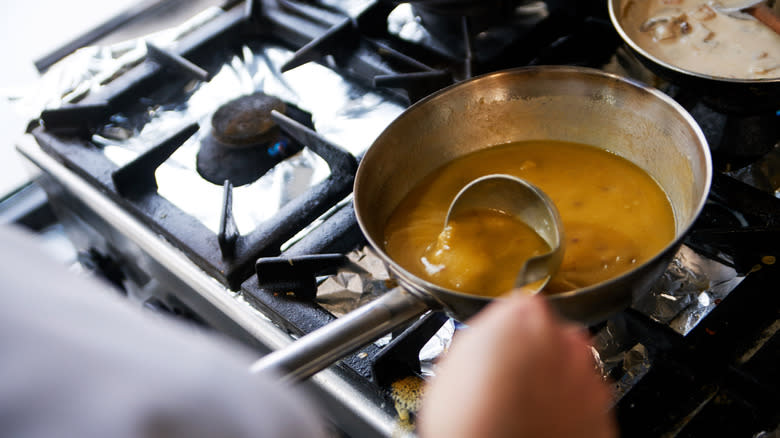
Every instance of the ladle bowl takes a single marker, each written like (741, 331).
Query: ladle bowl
(519, 198)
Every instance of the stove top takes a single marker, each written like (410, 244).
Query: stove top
(134, 146)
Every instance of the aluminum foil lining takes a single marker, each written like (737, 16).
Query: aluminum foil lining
(342, 112)
(685, 293)
(364, 279)
(688, 290)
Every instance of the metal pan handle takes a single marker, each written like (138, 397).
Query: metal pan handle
(326, 345)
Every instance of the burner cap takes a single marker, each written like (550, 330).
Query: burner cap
(246, 120)
(244, 141)
(217, 161)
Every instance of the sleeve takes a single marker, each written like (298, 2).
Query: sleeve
(78, 360)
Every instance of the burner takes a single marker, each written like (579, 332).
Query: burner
(246, 121)
(488, 35)
(478, 29)
(244, 142)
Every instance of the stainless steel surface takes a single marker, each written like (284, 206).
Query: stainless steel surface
(321, 348)
(571, 104)
(172, 274)
(722, 93)
(521, 199)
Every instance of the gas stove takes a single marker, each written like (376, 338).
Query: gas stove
(167, 165)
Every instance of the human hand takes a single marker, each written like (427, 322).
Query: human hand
(517, 371)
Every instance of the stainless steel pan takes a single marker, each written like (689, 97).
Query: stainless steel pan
(562, 103)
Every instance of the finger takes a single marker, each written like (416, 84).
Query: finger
(577, 331)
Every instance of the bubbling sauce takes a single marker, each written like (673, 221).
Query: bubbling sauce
(690, 34)
(615, 216)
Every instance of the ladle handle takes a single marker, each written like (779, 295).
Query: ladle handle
(326, 345)
(764, 14)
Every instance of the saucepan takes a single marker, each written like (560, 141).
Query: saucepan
(570, 104)
(725, 94)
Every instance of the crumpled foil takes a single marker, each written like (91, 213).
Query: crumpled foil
(688, 290)
(685, 293)
(365, 278)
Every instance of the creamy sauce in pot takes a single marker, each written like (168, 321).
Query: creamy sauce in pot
(615, 217)
(691, 35)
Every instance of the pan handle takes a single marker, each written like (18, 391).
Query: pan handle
(326, 345)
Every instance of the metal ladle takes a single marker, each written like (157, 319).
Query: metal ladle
(526, 202)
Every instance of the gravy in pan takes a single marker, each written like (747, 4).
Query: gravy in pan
(689, 34)
(615, 216)
(466, 253)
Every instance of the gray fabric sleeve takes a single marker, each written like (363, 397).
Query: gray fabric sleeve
(77, 360)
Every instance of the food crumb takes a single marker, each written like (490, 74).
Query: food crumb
(527, 164)
(407, 395)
